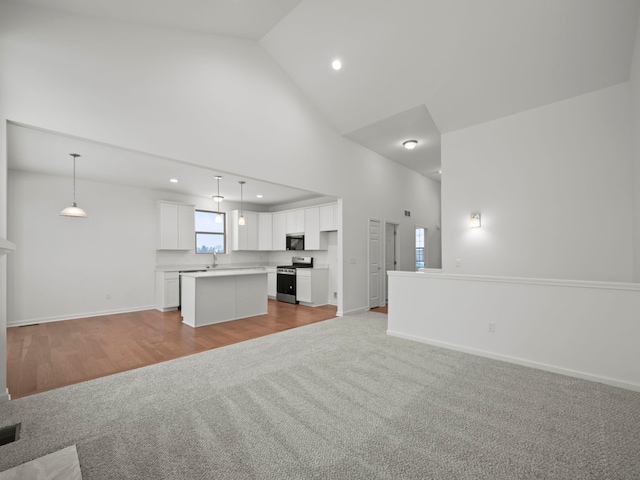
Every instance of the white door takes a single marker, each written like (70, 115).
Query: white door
(390, 233)
(374, 264)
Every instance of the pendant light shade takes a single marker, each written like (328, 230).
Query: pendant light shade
(74, 210)
(241, 219)
(218, 198)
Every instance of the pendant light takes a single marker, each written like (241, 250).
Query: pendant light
(218, 198)
(74, 210)
(241, 219)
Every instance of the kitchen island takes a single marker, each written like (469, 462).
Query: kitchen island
(223, 295)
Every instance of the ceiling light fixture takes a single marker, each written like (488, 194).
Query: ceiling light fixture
(173, 180)
(258, 196)
(410, 144)
(74, 210)
(474, 221)
(241, 219)
(218, 198)
(336, 64)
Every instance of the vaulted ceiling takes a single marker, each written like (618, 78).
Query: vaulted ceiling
(413, 68)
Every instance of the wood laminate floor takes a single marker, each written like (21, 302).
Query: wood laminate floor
(382, 309)
(51, 355)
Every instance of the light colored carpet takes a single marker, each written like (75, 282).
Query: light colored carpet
(337, 399)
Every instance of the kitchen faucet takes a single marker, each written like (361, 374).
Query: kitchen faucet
(215, 260)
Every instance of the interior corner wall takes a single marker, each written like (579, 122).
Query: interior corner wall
(213, 101)
(634, 87)
(553, 186)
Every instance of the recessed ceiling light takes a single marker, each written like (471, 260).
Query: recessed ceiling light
(259, 196)
(174, 180)
(336, 64)
(439, 172)
(410, 144)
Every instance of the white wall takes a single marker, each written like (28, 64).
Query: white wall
(634, 84)
(214, 101)
(584, 329)
(553, 186)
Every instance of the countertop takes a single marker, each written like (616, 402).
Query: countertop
(229, 272)
(235, 266)
(194, 268)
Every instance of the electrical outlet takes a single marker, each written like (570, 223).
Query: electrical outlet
(492, 327)
(458, 262)
(335, 294)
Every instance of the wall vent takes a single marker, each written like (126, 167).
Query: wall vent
(9, 434)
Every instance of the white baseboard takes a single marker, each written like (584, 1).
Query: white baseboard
(352, 311)
(519, 361)
(34, 321)
(5, 397)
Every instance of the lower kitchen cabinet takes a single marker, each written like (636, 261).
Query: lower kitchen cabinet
(312, 286)
(167, 291)
(272, 283)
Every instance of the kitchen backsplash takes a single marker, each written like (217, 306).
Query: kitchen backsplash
(164, 257)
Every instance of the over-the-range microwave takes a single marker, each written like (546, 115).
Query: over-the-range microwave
(295, 242)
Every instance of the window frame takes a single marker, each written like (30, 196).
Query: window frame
(223, 233)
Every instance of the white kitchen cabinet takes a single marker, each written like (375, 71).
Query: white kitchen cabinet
(244, 237)
(279, 232)
(272, 282)
(176, 226)
(167, 291)
(303, 286)
(265, 231)
(312, 286)
(313, 239)
(329, 217)
(294, 221)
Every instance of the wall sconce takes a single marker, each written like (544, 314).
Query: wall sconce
(474, 222)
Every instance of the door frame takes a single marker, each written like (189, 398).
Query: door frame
(396, 253)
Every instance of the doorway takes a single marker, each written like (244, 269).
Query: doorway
(375, 263)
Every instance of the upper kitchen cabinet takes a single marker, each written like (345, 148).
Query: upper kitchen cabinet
(313, 239)
(265, 231)
(176, 226)
(295, 221)
(244, 237)
(329, 217)
(279, 231)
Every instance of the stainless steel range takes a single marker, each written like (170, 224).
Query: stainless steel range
(286, 277)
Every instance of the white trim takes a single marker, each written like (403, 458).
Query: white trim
(352, 311)
(5, 397)
(524, 281)
(6, 246)
(77, 315)
(519, 361)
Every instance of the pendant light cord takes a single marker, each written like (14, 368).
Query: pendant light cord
(74, 155)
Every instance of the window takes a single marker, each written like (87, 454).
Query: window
(211, 237)
(420, 236)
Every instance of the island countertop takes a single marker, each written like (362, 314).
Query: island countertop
(227, 272)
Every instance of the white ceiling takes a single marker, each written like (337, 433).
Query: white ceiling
(455, 63)
(386, 137)
(36, 150)
(238, 18)
(467, 61)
